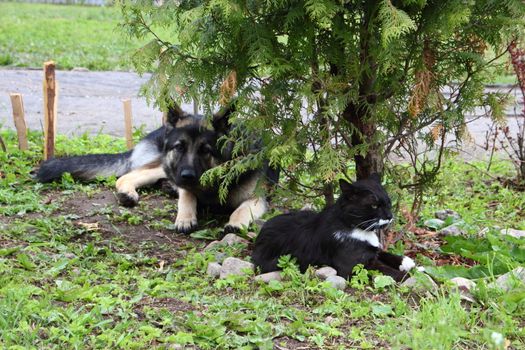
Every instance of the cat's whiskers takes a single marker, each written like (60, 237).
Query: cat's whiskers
(376, 224)
(372, 225)
(366, 222)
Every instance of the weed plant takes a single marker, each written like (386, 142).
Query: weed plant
(72, 278)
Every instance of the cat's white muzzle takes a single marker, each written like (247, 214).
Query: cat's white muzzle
(381, 224)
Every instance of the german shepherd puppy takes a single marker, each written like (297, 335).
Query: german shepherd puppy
(180, 151)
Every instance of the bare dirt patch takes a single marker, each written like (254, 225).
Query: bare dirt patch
(100, 213)
(173, 305)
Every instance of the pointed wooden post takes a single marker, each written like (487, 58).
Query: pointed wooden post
(128, 123)
(19, 119)
(50, 109)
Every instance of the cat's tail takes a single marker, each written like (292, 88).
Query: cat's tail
(86, 167)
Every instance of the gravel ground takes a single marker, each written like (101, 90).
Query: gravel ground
(92, 102)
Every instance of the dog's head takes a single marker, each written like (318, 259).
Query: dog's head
(191, 148)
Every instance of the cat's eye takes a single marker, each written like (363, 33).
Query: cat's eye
(374, 206)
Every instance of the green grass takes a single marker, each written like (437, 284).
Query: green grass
(129, 282)
(83, 36)
(72, 36)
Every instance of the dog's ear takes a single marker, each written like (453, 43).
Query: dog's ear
(175, 113)
(221, 119)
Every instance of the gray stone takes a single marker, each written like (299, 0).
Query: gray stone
(451, 230)
(232, 238)
(325, 272)
(507, 281)
(251, 235)
(512, 232)
(421, 283)
(213, 244)
(463, 283)
(464, 286)
(269, 276)
(447, 213)
(214, 269)
(235, 266)
(337, 282)
(330, 320)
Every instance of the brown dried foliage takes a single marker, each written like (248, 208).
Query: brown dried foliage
(436, 131)
(228, 88)
(424, 79)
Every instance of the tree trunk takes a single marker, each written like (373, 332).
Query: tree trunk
(372, 161)
(328, 192)
(358, 113)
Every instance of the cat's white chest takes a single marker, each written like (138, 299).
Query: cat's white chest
(361, 235)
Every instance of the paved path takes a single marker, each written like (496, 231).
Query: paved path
(87, 101)
(92, 102)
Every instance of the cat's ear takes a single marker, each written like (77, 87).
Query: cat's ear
(347, 188)
(351, 190)
(375, 176)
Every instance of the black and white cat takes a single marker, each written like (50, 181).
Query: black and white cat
(340, 236)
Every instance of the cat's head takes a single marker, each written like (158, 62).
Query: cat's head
(365, 204)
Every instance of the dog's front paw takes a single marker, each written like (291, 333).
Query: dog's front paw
(231, 229)
(407, 264)
(186, 225)
(129, 199)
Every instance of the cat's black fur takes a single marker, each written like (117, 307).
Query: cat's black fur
(329, 237)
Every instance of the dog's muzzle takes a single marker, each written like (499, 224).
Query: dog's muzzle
(188, 175)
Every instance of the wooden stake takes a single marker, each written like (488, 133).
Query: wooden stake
(50, 109)
(195, 107)
(2, 144)
(128, 123)
(20, 123)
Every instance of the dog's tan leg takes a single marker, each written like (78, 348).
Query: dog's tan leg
(249, 210)
(127, 184)
(187, 212)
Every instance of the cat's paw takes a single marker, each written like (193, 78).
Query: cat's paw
(407, 264)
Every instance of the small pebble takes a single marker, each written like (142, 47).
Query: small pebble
(337, 282)
(214, 269)
(325, 272)
(269, 276)
(235, 266)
